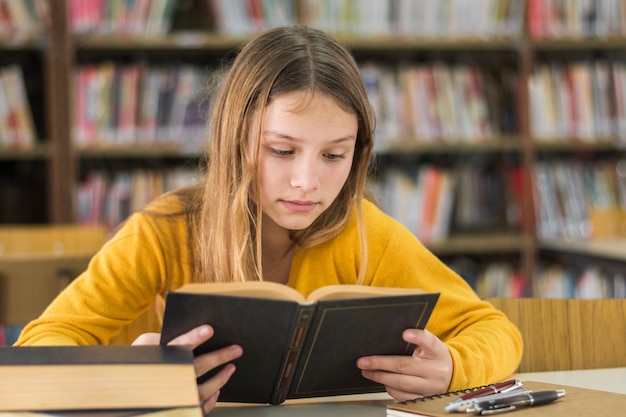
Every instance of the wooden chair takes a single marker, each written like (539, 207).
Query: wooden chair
(47, 257)
(38, 261)
(565, 334)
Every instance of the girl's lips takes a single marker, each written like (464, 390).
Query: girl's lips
(299, 206)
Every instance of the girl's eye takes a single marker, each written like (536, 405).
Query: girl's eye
(333, 156)
(281, 152)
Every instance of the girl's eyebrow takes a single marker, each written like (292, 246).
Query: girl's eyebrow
(279, 135)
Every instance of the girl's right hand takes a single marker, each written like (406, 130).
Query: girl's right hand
(209, 390)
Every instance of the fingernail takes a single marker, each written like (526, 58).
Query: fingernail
(204, 331)
(236, 351)
(410, 336)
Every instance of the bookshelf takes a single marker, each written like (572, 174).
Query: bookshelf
(196, 35)
(24, 140)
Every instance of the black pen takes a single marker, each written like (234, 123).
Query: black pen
(527, 399)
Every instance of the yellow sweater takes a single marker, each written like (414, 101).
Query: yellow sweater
(148, 256)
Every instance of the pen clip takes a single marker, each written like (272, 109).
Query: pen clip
(517, 384)
(495, 410)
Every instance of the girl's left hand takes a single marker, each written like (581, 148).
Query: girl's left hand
(427, 372)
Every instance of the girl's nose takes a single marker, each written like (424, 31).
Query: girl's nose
(305, 176)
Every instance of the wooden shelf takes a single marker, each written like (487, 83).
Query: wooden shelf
(176, 41)
(579, 43)
(21, 44)
(213, 41)
(503, 144)
(38, 151)
(477, 244)
(136, 151)
(432, 43)
(594, 144)
(612, 249)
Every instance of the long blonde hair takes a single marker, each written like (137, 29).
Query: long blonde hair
(225, 221)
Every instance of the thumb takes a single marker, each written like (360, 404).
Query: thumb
(427, 345)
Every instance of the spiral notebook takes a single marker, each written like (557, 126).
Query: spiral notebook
(577, 402)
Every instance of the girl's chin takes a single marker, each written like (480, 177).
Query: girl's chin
(294, 224)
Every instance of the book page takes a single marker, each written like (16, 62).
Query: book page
(335, 292)
(257, 289)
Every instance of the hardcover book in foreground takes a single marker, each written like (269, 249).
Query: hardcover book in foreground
(82, 378)
(295, 347)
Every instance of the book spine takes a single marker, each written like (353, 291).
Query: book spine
(302, 320)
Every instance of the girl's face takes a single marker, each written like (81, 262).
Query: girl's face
(306, 151)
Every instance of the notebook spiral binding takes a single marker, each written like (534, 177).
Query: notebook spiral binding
(446, 394)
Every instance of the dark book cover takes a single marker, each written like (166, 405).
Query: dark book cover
(344, 330)
(293, 350)
(94, 354)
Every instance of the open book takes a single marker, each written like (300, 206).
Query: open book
(295, 347)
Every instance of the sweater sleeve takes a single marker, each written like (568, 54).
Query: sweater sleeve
(485, 346)
(121, 281)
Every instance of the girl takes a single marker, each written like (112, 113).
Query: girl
(282, 200)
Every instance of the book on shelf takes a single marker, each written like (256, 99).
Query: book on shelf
(65, 378)
(296, 347)
(17, 128)
(577, 100)
(577, 401)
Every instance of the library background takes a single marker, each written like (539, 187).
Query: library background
(500, 142)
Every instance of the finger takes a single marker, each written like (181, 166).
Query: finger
(391, 364)
(399, 395)
(402, 386)
(427, 345)
(408, 374)
(211, 360)
(209, 390)
(209, 403)
(193, 337)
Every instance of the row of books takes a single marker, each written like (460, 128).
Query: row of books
(488, 197)
(145, 17)
(421, 200)
(566, 192)
(429, 200)
(246, 17)
(555, 280)
(107, 197)
(576, 18)
(439, 102)
(432, 201)
(16, 120)
(491, 279)
(22, 19)
(374, 18)
(119, 104)
(584, 100)
(369, 18)
(552, 280)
